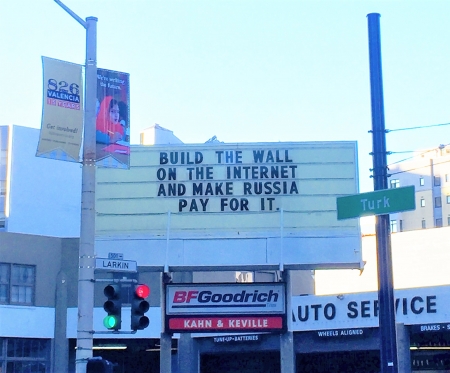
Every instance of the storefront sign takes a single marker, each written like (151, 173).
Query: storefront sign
(226, 324)
(431, 328)
(227, 308)
(344, 333)
(238, 338)
(200, 299)
(360, 310)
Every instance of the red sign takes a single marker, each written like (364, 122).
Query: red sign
(230, 323)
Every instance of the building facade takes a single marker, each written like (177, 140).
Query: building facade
(37, 195)
(429, 172)
(38, 295)
(39, 285)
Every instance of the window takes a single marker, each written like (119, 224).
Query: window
(2, 187)
(422, 202)
(424, 225)
(393, 226)
(422, 181)
(438, 222)
(437, 181)
(25, 355)
(4, 283)
(401, 226)
(17, 283)
(448, 199)
(437, 202)
(395, 183)
(448, 220)
(447, 178)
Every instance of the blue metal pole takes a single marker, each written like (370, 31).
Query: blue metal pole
(388, 336)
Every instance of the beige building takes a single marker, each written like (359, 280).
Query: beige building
(429, 172)
(420, 259)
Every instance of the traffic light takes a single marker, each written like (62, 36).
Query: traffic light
(98, 365)
(139, 306)
(113, 321)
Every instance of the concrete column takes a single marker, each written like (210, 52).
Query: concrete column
(287, 353)
(166, 353)
(403, 344)
(188, 356)
(61, 343)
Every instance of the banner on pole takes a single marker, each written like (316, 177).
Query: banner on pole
(113, 119)
(62, 111)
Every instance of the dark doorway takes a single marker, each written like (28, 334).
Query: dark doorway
(245, 362)
(127, 355)
(339, 362)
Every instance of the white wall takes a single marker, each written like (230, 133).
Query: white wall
(420, 258)
(27, 322)
(158, 135)
(45, 194)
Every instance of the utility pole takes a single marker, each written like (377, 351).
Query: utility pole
(87, 226)
(388, 334)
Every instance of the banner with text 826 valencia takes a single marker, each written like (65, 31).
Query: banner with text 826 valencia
(62, 111)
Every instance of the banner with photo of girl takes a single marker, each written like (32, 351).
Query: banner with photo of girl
(113, 119)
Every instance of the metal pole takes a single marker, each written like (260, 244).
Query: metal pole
(87, 224)
(165, 353)
(388, 336)
(87, 231)
(287, 351)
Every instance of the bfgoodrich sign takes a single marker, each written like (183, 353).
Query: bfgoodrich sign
(238, 307)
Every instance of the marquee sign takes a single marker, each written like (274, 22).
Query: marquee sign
(245, 202)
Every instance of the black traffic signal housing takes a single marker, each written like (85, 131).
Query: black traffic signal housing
(98, 365)
(139, 306)
(113, 306)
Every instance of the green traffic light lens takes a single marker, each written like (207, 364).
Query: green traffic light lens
(110, 322)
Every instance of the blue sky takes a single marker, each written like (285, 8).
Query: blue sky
(245, 70)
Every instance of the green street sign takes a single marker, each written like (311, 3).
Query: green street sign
(380, 202)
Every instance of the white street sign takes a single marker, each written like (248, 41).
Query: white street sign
(116, 265)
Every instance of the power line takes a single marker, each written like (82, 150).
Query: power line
(418, 127)
(415, 151)
(417, 168)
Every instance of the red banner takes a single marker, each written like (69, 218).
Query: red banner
(236, 323)
(112, 126)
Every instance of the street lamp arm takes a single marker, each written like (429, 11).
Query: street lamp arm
(73, 14)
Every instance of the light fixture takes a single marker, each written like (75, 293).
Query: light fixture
(108, 347)
(111, 347)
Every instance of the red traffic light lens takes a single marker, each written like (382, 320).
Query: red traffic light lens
(142, 291)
